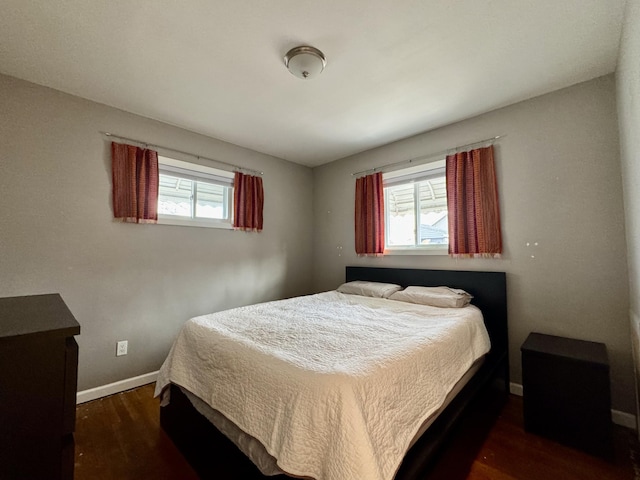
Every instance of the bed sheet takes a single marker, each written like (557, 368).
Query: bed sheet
(256, 452)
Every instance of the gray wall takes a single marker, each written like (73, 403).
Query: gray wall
(628, 78)
(559, 180)
(560, 186)
(127, 281)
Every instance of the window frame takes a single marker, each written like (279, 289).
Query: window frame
(413, 175)
(202, 174)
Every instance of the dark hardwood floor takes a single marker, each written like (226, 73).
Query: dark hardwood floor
(119, 438)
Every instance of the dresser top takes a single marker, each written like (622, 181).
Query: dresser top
(36, 315)
(570, 348)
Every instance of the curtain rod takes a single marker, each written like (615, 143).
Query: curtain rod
(237, 167)
(431, 155)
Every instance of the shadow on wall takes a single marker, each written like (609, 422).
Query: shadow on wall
(254, 280)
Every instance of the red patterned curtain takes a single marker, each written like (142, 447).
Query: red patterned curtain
(135, 183)
(369, 215)
(248, 202)
(472, 199)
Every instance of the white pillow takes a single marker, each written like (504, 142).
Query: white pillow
(435, 296)
(369, 289)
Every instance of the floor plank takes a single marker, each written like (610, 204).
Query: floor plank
(511, 453)
(119, 438)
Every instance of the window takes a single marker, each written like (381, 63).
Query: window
(192, 194)
(416, 209)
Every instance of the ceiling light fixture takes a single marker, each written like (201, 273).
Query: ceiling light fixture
(305, 62)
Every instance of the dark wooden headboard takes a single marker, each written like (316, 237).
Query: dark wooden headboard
(489, 290)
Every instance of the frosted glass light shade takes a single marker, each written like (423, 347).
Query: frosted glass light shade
(305, 62)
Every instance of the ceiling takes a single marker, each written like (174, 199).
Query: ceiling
(394, 68)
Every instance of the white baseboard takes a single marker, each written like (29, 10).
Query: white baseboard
(116, 387)
(619, 418)
(623, 419)
(515, 389)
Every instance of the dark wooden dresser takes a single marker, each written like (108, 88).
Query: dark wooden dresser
(38, 382)
(567, 393)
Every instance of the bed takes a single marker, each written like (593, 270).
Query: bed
(484, 391)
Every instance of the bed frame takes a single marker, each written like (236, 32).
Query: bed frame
(458, 431)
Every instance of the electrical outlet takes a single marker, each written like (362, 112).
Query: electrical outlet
(121, 348)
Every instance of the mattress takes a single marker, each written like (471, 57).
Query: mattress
(333, 386)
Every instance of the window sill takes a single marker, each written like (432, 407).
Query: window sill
(194, 223)
(417, 251)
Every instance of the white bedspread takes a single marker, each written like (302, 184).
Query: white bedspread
(334, 386)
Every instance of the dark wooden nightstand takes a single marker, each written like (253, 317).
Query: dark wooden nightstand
(38, 379)
(567, 393)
